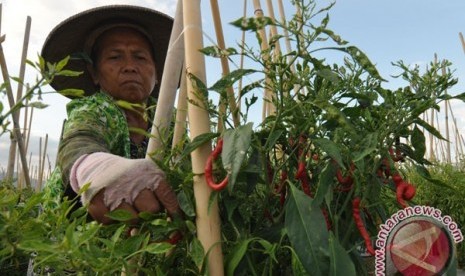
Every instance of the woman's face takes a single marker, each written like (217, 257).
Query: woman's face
(125, 68)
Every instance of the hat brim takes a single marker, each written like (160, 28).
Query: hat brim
(68, 38)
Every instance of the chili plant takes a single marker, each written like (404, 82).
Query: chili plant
(305, 194)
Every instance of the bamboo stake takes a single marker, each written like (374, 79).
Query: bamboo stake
(13, 144)
(225, 67)
(264, 47)
(455, 127)
(169, 84)
(431, 141)
(462, 40)
(42, 162)
(40, 166)
(447, 122)
(181, 113)
(273, 29)
(207, 215)
(11, 100)
(439, 143)
(239, 98)
(287, 40)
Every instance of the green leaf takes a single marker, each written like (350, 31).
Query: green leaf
(8, 198)
(252, 23)
(235, 256)
(129, 246)
(38, 105)
(364, 61)
(236, 143)
(330, 148)
(214, 51)
(460, 96)
(229, 79)
(328, 75)
(158, 248)
(62, 63)
(429, 128)
(69, 73)
(73, 93)
(120, 215)
(197, 252)
(186, 204)
(423, 172)
(339, 259)
(369, 144)
(306, 228)
(334, 37)
(324, 184)
(197, 142)
(418, 142)
(37, 246)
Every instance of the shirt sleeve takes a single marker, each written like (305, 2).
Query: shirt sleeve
(91, 127)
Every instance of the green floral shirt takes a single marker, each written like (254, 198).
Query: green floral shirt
(94, 124)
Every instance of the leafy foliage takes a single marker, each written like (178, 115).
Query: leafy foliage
(334, 134)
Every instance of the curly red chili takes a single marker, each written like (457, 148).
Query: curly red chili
(360, 226)
(209, 169)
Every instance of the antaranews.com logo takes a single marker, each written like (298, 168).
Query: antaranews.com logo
(417, 240)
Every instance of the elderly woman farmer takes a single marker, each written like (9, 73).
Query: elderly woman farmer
(121, 51)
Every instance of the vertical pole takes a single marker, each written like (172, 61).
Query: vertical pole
(225, 67)
(267, 109)
(168, 86)
(16, 128)
(208, 219)
(181, 112)
(244, 16)
(42, 163)
(448, 151)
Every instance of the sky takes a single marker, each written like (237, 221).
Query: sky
(413, 31)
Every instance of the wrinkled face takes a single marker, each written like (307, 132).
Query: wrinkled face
(124, 66)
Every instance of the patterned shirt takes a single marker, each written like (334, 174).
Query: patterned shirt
(94, 124)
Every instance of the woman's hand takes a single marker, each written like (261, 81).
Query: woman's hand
(135, 185)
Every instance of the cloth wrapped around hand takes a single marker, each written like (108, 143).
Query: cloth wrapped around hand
(121, 177)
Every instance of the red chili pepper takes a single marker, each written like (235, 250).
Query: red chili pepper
(209, 169)
(300, 170)
(175, 238)
(400, 194)
(396, 156)
(282, 189)
(346, 181)
(301, 173)
(360, 226)
(409, 191)
(404, 190)
(397, 178)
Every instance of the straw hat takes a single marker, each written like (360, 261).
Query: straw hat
(71, 35)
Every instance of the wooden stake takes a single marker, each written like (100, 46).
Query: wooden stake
(462, 40)
(431, 141)
(168, 86)
(244, 16)
(207, 214)
(181, 112)
(447, 123)
(225, 67)
(15, 115)
(273, 29)
(267, 99)
(42, 163)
